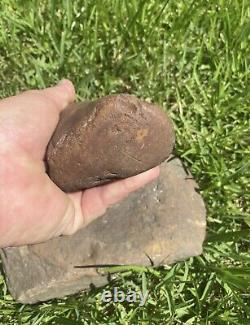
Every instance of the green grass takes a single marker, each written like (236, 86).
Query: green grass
(193, 58)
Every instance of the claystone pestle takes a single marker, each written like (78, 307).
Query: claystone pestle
(111, 138)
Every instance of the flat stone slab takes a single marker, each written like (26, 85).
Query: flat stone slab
(164, 220)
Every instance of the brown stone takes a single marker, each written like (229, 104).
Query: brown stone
(114, 137)
(165, 220)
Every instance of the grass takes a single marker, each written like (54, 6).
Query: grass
(193, 58)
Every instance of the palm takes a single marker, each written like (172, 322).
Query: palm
(32, 207)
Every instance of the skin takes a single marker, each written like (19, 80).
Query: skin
(32, 208)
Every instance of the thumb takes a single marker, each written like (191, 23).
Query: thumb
(38, 111)
(61, 95)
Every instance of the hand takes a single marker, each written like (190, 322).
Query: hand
(32, 208)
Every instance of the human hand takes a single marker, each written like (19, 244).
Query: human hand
(32, 208)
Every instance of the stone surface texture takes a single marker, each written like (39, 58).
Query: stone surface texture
(164, 220)
(111, 138)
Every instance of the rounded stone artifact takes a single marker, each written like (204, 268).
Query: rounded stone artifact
(115, 137)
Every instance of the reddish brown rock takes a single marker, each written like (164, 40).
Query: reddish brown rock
(114, 137)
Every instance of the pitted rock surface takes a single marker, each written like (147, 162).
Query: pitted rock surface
(111, 138)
